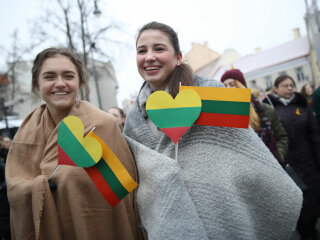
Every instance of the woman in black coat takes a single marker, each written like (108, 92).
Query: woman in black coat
(304, 148)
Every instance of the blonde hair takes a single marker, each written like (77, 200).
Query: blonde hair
(254, 120)
(256, 92)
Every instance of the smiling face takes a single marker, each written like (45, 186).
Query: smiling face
(156, 58)
(58, 84)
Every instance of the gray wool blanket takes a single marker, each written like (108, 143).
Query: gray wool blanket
(225, 185)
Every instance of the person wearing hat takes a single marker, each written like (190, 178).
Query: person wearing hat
(262, 118)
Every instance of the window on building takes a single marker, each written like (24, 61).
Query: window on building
(3, 89)
(299, 74)
(253, 84)
(268, 81)
(283, 73)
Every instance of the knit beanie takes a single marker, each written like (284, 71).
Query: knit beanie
(234, 74)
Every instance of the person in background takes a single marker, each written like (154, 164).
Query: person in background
(263, 118)
(316, 104)
(307, 91)
(119, 115)
(71, 207)
(304, 148)
(4, 204)
(6, 142)
(256, 92)
(268, 90)
(235, 185)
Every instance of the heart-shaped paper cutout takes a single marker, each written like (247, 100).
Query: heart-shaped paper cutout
(73, 148)
(174, 116)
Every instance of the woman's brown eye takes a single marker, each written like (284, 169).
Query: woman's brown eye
(141, 51)
(49, 77)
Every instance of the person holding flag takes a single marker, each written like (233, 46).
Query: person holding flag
(73, 207)
(232, 185)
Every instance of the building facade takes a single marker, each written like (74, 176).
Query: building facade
(200, 55)
(264, 66)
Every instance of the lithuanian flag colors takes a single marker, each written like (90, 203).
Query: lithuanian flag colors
(223, 107)
(109, 175)
(102, 165)
(173, 116)
(73, 148)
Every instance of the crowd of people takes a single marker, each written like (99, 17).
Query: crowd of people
(225, 183)
(293, 114)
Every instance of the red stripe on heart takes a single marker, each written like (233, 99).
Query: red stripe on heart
(175, 133)
(63, 158)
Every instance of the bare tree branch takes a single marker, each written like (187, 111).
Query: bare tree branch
(75, 33)
(67, 25)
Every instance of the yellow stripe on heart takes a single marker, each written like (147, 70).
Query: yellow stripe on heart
(91, 145)
(174, 116)
(163, 100)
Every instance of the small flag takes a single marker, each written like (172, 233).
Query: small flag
(109, 175)
(73, 148)
(102, 165)
(223, 107)
(174, 116)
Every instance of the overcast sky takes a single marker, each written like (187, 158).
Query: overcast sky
(239, 24)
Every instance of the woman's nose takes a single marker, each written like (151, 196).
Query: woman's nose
(60, 81)
(150, 56)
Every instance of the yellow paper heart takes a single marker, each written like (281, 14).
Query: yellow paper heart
(174, 116)
(75, 146)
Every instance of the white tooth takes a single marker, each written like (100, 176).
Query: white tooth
(61, 93)
(152, 68)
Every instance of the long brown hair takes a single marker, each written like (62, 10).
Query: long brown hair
(182, 73)
(304, 92)
(254, 120)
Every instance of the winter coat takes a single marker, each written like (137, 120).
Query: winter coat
(271, 130)
(316, 104)
(304, 148)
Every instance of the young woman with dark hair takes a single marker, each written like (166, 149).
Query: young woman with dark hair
(225, 183)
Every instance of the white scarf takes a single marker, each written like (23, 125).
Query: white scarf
(285, 101)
